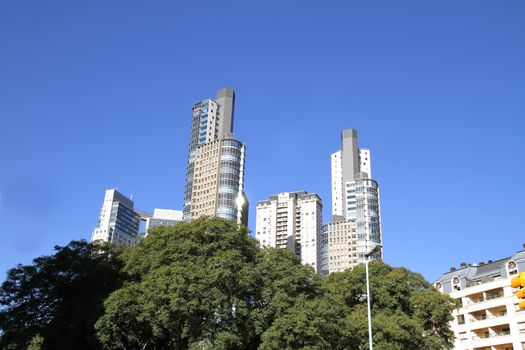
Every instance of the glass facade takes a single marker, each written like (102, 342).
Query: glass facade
(118, 222)
(124, 224)
(362, 205)
(230, 178)
(324, 271)
(199, 127)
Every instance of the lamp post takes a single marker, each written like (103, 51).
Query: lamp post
(367, 257)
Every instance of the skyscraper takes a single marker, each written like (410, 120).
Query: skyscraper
(118, 223)
(215, 172)
(292, 220)
(356, 216)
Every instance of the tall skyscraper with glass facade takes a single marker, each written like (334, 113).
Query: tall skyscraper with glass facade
(215, 172)
(356, 215)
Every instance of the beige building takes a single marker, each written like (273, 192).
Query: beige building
(339, 242)
(488, 317)
(215, 172)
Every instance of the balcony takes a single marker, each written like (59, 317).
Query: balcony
(486, 317)
(486, 298)
(492, 335)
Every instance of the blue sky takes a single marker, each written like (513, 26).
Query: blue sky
(98, 94)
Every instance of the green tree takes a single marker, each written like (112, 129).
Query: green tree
(407, 312)
(202, 285)
(308, 324)
(36, 343)
(54, 302)
(192, 285)
(207, 285)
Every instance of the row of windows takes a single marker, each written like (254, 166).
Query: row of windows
(231, 151)
(232, 143)
(229, 163)
(230, 170)
(229, 176)
(235, 159)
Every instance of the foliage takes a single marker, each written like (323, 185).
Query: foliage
(407, 312)
(203, 284)
(207, 285)
(36, 343)
(54, 302)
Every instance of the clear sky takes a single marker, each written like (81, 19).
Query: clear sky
(98, 94)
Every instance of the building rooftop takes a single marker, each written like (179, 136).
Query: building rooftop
(475, 274)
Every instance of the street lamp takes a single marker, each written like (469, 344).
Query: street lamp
(371, 252)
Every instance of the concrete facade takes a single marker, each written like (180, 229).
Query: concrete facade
(488, 317)
(339, 246)
(292, 220)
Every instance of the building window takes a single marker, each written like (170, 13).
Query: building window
(512, 268)
(521, 327)
(461, 319)
(456, 284)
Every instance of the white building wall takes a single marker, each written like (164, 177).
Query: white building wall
(167, 214)
(337, 184)
(489, 317)
(310, 232)
(365, 163)
(291, 220)
(265, 224)
(101, 232)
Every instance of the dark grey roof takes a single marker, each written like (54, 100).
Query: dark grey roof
(490, 268)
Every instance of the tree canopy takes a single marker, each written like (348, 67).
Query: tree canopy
(207, 285)
(55, 302)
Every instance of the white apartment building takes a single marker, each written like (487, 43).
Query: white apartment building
(489, 317)
(292, 220)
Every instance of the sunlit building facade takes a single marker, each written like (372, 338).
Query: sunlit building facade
(488, 317)
(118, 223)
(356, 214)
(215, 172)
(292, 220)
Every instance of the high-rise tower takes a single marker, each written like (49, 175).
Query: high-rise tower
(118, 222)
(292, 220)
(356, 216)
(215, 172)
